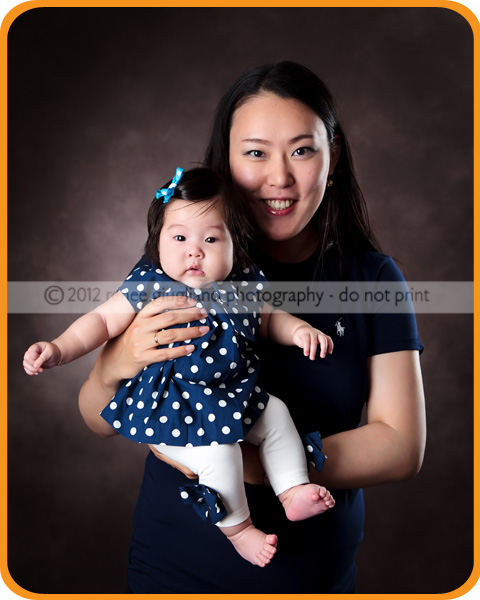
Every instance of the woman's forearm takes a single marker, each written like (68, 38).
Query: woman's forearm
(94, 396)
(369, 455)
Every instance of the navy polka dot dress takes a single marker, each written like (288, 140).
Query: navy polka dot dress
(211, 396)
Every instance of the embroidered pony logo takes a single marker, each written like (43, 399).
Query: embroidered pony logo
(340, 329)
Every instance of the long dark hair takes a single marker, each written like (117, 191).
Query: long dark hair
(342, 217)
(198, 185)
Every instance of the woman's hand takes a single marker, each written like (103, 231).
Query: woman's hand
(124, 356)
(166, 459)
(147, 338)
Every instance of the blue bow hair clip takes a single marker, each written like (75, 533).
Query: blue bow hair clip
(167, 193)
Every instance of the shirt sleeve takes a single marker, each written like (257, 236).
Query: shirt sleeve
(142, 284)
(391, 329)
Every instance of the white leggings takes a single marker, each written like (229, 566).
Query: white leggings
(221, 467)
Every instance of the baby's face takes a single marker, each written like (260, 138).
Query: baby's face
(195, 245)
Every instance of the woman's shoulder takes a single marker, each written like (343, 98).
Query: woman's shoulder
(372, 265)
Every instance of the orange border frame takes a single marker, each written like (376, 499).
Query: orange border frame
(16, 11)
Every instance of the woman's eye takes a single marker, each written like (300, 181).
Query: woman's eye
(180, 238)
(211, 240)
(256, 153)
(303, 151)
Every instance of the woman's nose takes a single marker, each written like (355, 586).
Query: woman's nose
(280, 173)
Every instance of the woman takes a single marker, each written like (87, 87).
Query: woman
(277, 135)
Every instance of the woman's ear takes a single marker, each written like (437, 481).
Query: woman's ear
(335, 150)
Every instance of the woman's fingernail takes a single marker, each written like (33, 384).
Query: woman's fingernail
(204, 329)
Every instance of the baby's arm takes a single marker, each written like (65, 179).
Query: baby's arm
(84, 335)
(283, 328)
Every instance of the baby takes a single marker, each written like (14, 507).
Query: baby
(195, 409)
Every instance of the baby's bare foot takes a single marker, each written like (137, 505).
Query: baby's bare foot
(252, 544)
(305, 501)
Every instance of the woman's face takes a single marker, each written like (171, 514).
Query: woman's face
(280, 155)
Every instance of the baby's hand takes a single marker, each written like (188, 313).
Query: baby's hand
(309, 338)
(42, 355)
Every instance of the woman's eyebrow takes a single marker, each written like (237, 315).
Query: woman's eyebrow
(294, 140)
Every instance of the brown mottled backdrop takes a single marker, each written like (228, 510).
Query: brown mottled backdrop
(103, 105)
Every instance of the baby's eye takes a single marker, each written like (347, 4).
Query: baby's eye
(255, 153)
(211, 240)
(180, 238)
(303, 151)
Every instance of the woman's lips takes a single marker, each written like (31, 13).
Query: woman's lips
(278, 206)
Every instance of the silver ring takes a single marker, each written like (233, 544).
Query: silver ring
(155, 338)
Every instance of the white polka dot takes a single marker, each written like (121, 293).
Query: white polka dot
(154, 405)
(213, 311)
(310, 448)
(149, 432)
(261, 405)
(140, 287)
(194, 369)
(184, 495)
(237, 416)
(165, 394)
(197, 291)
(259, 286)
(185, 395)
(198, 406)
(113, 405)
(139, 305)
(125, 291)
(223, 351)
(117, 424)
(128, 384)
(244, 283)
(156, 286)
(133, 431)
(222, 403)
(234, 339)
(188, 420)
(245, 322)
(211, 417)
(176, 405)
(226, 430)
(231, 395)
(224, 325)
(233, 365)
(176, 433)
(251, 370)
(207, 391)
(163, 419)
(129, 401)
(217, 375)
(140, 405)
(247, 421)
(178, 376)
(235, 310)
(141, 391)
(209, 360)
(257, 389)
(214, 443)
(205, 345)
(200, 432)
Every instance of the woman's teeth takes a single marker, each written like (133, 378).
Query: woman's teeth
(279, 204)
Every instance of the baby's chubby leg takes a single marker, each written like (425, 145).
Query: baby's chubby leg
(283, 458)
(221, 469)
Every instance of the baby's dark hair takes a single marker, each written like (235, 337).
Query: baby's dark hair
(198, 185)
